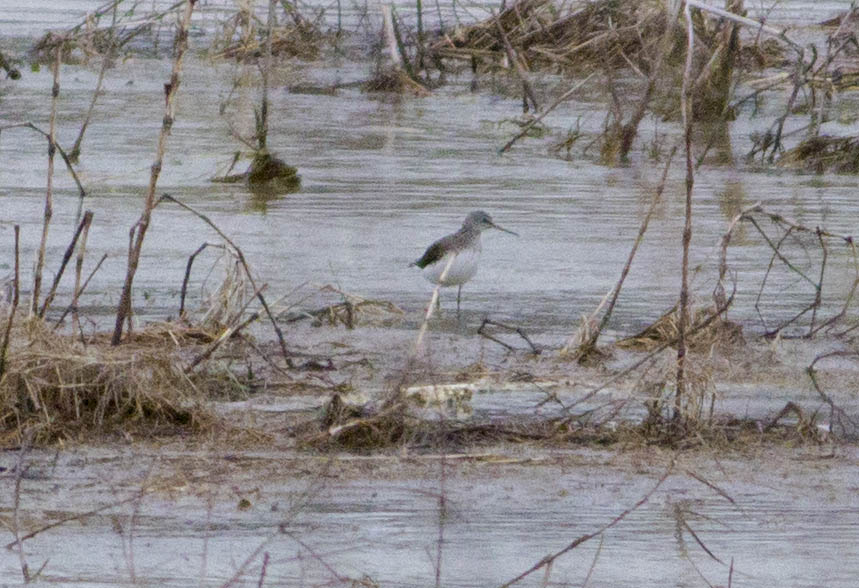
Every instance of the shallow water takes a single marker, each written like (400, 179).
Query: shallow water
(382, 178)
(794, 521)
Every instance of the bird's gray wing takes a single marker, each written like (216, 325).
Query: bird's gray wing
(436, 251)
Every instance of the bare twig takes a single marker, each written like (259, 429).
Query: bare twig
(791, 228)
(264, 567)
(226, 334)
(564, 97)
(518, 330)
(79, 265)
(835, 411)
(18, 543)
(547, 560)
(84, 224)
(78, 291)
(80, 516)
(594, 561)
(187, 276)
(106, 60)
(244, 264)
(591, 343)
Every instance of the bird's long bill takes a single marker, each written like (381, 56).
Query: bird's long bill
(503, 229)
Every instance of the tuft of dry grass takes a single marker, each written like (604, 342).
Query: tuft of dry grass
(719, 332)
(605, 32)
(822, 153)
(63, 389)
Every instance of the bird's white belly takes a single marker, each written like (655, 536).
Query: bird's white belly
(462, 269)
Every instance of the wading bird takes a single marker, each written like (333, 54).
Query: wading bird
(463, 247)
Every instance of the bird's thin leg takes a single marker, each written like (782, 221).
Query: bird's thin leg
(438, 301)
(458, 296)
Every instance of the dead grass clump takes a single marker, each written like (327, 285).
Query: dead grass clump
(727, 434)
(366, 312)
(351, 312)
(823, 153)
(355, 428)
(242, 37)
(113, 27)
(720, 332)
(603, 33)
(62, 389)
(301, 40)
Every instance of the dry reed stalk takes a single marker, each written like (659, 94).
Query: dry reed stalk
(686, 108)
(184, 291)
(49, 197)
(390, 37)
(262, 134)
(749, 22)
(421, 49)
(83, 225)
(106, 60)
(88, 33)
(629, 131)
(520, 70)
(123, 310)
(73, 305)
(79, 264)
(587, 347)
(401, 48)
(14, 303)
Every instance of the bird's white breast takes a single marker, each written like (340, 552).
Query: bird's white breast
(462, 269)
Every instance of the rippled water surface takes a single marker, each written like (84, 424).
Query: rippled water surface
(382, 177)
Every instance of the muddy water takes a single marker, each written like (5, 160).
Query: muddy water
(382, 178)
(203, 514)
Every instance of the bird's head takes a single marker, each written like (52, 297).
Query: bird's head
(482, 221)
